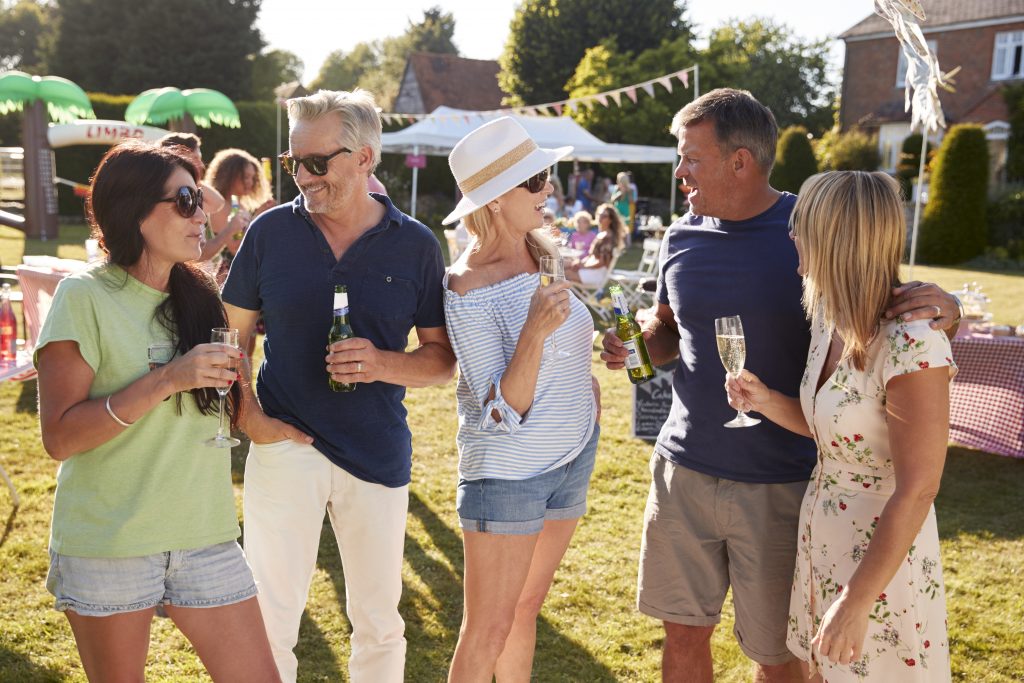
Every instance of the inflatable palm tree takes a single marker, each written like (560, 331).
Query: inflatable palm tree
(36, 96)
(183, 110)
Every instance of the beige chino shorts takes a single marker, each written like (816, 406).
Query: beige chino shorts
(702, 535)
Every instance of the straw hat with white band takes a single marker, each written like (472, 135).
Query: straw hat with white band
(492, 160)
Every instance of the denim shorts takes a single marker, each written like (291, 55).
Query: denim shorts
(211, 576)
(521, 506)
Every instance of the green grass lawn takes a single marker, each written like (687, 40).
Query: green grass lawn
(589, 629)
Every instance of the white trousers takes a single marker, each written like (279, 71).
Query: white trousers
(287, 487)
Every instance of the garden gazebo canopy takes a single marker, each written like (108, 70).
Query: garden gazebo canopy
(436, 135)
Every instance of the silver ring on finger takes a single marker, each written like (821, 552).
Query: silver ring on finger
(938, 311)
(359, 366)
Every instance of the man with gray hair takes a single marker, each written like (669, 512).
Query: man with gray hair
(725, 503)
(314, 448)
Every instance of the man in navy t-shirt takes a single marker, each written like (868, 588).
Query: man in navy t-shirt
(724, 504)
(313, 448)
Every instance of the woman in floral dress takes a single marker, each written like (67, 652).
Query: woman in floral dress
(868, 601)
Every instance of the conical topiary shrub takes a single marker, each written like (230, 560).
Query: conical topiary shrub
(954, 227)
(794, 160)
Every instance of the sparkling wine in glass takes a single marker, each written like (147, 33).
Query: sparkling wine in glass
(732, 349)
(229, 337)
(552, 270)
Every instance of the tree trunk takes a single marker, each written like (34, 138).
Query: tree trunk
(40, 192)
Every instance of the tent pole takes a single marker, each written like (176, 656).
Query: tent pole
(415, 178)
(696, 81)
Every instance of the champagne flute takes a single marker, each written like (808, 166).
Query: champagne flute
(732, 349)
(229, 337)
(552, 270)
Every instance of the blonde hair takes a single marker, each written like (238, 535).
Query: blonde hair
(479, 225)
(582, 214)
(356, 110)
(852, 232)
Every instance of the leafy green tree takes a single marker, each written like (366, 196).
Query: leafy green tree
(794, 160)
(853, 150)
(342, 71)
(271, 69)
(434, 33)
(909, 164)
(548, 38)
(1013, 95)
(27, 33)
(126, 46)
(954, 227)
(785, 73)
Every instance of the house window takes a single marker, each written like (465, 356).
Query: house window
(901, 65)
(1006, 58)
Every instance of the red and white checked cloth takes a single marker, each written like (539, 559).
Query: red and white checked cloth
(987, 401)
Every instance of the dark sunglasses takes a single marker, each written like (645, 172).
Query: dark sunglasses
(535, 183)
(186, 200)
(314, 163)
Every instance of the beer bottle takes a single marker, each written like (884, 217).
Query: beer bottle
(235, 208)
(340, 329)
(638, 362)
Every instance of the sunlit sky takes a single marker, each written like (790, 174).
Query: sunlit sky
(314, 28)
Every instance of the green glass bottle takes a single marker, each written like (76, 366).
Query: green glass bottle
(638, 362)
(340, 329)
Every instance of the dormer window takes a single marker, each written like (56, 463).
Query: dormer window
(1006, 58)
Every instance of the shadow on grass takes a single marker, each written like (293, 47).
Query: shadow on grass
(17, 666)
(9, 526)
(28, 398)
(980, 494)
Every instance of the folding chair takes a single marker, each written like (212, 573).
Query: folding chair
(631, 280)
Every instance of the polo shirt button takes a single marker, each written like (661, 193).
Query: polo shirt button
(387, 279)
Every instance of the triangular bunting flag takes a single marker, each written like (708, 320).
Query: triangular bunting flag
(685, 78)
(631, 93)
(602, 98)
(617, 96)
(666, 82)
(558, 109)
(573, 106)
(649, 89)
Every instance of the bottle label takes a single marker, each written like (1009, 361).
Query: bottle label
(341, 303)
(619, 302)
(633, 358)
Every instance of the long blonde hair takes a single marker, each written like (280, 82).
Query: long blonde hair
(852, 231)
(479, 225)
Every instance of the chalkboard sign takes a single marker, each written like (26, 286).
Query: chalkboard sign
(651, 403)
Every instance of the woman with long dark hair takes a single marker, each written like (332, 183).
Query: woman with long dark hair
(144, 515)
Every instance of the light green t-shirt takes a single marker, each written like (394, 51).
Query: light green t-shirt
(154, 487)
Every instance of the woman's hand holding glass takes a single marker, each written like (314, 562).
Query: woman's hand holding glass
(205, 366)
(747, 392)
(551, 301)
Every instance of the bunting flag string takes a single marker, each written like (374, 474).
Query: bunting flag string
(558, 108)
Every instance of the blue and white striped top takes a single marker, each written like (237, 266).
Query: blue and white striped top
(484, 326)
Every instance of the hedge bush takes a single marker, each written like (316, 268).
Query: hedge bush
(954, 226)
(1006, 224)
(794, 160)
(909, 165)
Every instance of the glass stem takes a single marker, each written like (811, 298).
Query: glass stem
(220, 419)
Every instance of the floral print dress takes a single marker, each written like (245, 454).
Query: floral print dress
(906, 639)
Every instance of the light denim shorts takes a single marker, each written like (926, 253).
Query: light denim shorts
(211, 576)
(520, 506)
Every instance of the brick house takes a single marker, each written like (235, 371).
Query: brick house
(985, 38)
(431, 80)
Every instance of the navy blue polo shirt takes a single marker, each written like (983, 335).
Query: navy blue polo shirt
(712, 268)
(285, 268)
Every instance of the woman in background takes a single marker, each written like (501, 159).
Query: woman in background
(144, 513)
(592, 270)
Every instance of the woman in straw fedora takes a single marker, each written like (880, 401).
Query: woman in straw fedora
(527, 423)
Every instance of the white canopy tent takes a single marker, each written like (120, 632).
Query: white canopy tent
(437, 135)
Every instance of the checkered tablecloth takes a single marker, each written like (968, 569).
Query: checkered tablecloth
(987, 402)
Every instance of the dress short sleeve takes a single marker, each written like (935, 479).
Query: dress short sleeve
(913, 346)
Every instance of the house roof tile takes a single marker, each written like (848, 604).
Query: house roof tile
(943, 13)
(455, 81)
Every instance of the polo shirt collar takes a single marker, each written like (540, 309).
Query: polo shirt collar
(391, 212)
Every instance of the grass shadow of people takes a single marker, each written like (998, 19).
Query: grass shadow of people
(18, 666)
(980, 494)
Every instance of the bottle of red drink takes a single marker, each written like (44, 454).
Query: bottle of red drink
(8, 327)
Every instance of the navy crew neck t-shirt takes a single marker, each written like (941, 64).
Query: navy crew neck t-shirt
(712, 268)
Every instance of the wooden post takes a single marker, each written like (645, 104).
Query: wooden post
(40, 192)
